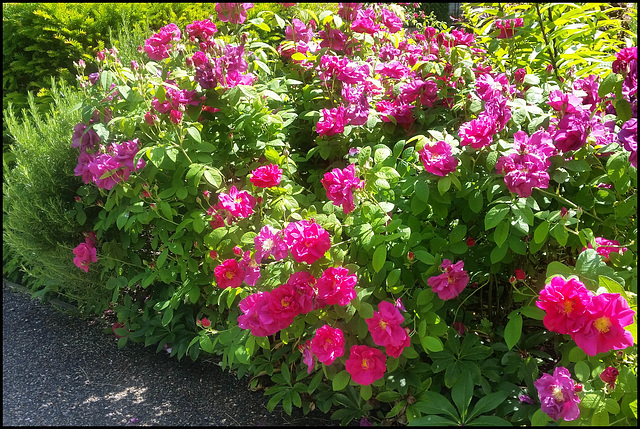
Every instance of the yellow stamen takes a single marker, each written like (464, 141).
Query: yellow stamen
(568, 306)
(229, 274)
(557, 394)
(602, 324)
(365, 365)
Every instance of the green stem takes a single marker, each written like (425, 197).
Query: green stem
(550, 48)
(564, 200)
(455, 314)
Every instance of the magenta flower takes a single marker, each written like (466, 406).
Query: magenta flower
(336, 286)
(572, 131)
(478, 132)
(298, 32)
(239, 203)
(393, 69)
(340, 184)
(307, 356)
(401, 113)
(364, 22)
(606, 316)
(84, 138)
(605, 247)
(268, 242)
(229, 274)
(507, 27)
(522, 173)
(250, 267)
(332, 122)
(333, 39)
(283, 302)
(85, 253)
(328, 344)
(348, 11)
(125, 152)
(386, 330)
(159, 45)
(490, 87)
(201, 30)
(623, 60)
(304, 284)
(628, 136)
(307, 241)
(557, 395)
(451, 282)
(266, 176)
(365, 364)
(565, 302)
(235, 13)
(564, 103)
(437, 159)
(257, 317)
(391, 21)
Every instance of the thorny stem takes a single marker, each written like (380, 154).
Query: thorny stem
(564, 200)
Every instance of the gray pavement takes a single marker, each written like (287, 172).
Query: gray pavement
(62, 370)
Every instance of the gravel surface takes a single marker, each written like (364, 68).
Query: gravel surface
(60, 370)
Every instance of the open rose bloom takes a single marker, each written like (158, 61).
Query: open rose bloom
(557, 395)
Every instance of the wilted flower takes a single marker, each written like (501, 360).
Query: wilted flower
(609, 376)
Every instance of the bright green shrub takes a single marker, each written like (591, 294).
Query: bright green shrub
(40, 218)
(464, 358)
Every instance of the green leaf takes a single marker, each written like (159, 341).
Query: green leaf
(488, 403)
(340, 380)
(162, 258)
(433, 421)
(600, 418)
(444, 183)
(167, 316)
(388, 396)
(501, 233)
(194, 134)
(206, 344)
(582, 371)
(540, 418)
(560, 233)
(540, 234)
(533, 312)
(498, 253)
(616, 166)
(607, 84)
(489, 421)
(434, 403)
(461, 393)
(495, 215)
(379, 258)
(425, 257)
(366, 392)
(432, 344)
(513, 331)
(476, 201)
(387, 173)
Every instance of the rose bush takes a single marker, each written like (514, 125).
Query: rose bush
(437, 176)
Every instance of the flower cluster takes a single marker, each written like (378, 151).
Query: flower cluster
(159, 46)
(265, 313)
(527, 167)
(107, 168)
(595, 322)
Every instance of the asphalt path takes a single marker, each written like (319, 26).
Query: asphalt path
(63, 370)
